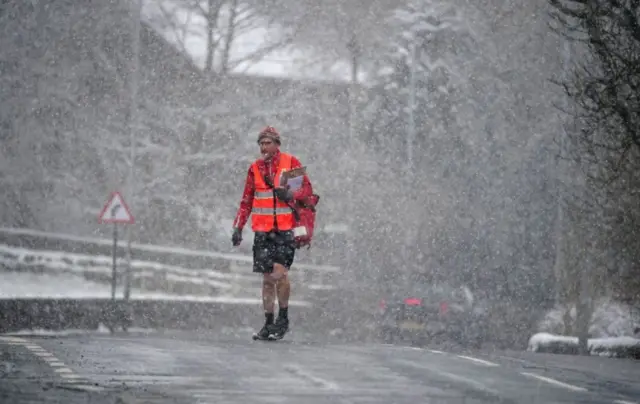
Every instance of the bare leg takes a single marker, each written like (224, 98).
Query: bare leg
(284, 290)
(281, 279)
(268, 293)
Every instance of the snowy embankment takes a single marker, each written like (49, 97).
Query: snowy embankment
(617, 347)
(20, 285)
(614, 331)
(51, 274)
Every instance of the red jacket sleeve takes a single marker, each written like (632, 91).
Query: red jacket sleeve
(245, 203)
(306, 189)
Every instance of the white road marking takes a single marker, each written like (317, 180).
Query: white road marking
(555, 382)
(87, 387)
(84, 387)
(70, 376)
(13, 340)
(327, 384)
(57, 365)
(476, 360)
(414, 348)
(624, 402)
(511, 358)
(474, 383)
(42, 354)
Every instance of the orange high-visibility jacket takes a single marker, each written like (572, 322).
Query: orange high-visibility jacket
(268, 212)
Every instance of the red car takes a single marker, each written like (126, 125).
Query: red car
(428, 313)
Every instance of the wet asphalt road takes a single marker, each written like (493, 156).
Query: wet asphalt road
(230, 368)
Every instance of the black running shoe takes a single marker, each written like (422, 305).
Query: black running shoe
(279, 328)
(264, 332)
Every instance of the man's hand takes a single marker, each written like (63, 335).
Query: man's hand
(283, 194)
(236, 238)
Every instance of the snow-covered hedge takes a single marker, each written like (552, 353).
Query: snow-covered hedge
(614, 330)
(618, 347)
(609, 319)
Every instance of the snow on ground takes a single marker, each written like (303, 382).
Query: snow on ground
(613, 331)
(13, 231)
(21, 285)
(614, 346)
(72, 262)
(610, 319)
(149, 273)
(102, 329)
(207, 279)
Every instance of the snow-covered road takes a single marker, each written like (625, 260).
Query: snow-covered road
(229, 368)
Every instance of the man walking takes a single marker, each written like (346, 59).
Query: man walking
(272, 221)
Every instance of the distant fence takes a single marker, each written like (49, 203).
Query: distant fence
(168, 255)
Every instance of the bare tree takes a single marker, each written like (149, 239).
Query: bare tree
(222, 24)
(605, 89)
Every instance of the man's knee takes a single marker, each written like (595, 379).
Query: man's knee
(268, 281)
(279, 272)
(282, 282)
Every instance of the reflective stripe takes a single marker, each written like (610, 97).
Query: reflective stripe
(269, 211)
(263, 195)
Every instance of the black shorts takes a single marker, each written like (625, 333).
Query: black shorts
(273, 248)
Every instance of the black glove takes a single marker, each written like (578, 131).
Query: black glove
(236, 238)
(283, 194)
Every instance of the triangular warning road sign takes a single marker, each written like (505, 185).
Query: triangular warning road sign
(116, 211)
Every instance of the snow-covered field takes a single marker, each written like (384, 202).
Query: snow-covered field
(80, 264)
(23, 285)
(152, 248)
(83, 264)
(53, 274)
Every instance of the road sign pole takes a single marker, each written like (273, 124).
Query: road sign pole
(115, 211)
(114, 268)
